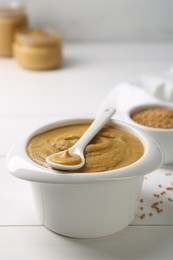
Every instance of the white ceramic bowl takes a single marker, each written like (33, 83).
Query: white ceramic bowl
(85, 205)
(163, 136)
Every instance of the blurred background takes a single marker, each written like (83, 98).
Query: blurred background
(107, 20)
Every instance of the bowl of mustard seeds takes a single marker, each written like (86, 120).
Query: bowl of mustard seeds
(155, 120)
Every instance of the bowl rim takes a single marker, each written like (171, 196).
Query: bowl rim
(136, 108)
(20, 165)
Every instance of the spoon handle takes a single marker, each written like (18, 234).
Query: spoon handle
(102, 118)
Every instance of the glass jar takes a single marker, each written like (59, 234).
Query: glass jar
(38, 49)
(12, 18)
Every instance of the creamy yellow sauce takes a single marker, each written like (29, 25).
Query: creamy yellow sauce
(110, 149)
(66, 158)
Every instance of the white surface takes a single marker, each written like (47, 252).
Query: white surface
(133, 243)
(89, 72)
(105, 19)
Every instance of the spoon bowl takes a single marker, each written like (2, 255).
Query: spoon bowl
(73, 150)
(78, 148)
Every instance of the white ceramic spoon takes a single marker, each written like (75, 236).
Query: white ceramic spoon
(79, 146)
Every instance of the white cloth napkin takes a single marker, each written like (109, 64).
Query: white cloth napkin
(146, 90)
(159, 86)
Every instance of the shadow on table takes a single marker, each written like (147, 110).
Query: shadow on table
(72, 62)
(132, 243)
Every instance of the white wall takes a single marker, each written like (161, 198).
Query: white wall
(131, 20)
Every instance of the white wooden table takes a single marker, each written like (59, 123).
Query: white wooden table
(28, 99)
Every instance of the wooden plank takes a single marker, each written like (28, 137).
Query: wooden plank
(38, 243)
